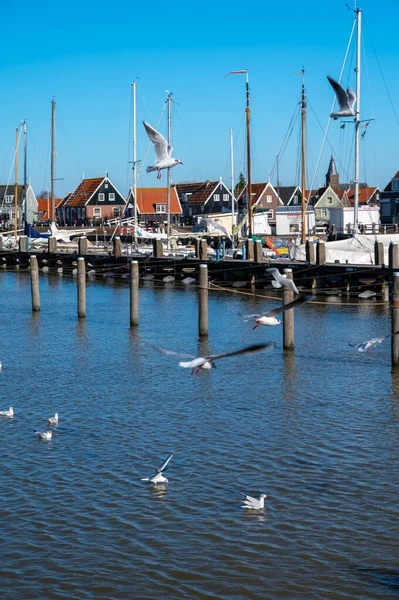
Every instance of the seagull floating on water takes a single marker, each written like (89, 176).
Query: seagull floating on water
(281, 280)
(253, 503)
(53, 420)
(346, 100)
(269, 318)
(45, 435)
(208, 362)
(7, 413)
(163, 151)
(158, 477)
(368, 345)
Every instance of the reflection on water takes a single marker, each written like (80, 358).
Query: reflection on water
(316, 429)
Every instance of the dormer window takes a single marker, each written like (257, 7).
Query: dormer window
(8, 199)
(160, 208)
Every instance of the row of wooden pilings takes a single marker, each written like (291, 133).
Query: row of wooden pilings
(316, 254)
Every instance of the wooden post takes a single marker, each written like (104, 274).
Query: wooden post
(52, 244)
(258, 251)
(81, 288)
(34, 282)
(117, 246)
(393, 255)
(203, 301)
(395, 228)
(395, 320)
(201, 250)
(250, 249)
(82, 245)
(378, 253)
(157, 248)
(310, 252)
(321, 253)
(1, 242)
(134, 293)
(23, 243)
(288, 317)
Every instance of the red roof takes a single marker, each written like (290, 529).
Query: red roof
(45, 208)
(365, 194)
(83, 192)
(148, 198)
(198, 192)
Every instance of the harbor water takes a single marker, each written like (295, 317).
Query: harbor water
(316, 429)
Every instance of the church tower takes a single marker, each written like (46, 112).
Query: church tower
(332, 177)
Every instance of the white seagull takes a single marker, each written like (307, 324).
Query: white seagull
(163, 151)
(217, 225)
(281, 280)
(53, 420)
(158, 477)
(368, 345)
(207, 362)
(269, 318)
(253, 503)
(7, 413)
(346, 100)
(45, 435)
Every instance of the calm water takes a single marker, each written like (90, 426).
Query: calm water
(317, 430)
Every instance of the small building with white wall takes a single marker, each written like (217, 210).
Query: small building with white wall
(343, 219)
(289, 220)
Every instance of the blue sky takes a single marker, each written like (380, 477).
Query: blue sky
(85, 56)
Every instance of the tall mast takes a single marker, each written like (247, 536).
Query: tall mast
(16, 184)
(134, 160)
(303, 184)
(357, 118)
(232, 186)
(52, 160)
(249, 188)
(169, 100)
(25, 176)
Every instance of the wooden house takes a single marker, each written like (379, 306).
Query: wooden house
(93, 202)
(152, 206)
(203, 198)
(25, 197)
(389, 201)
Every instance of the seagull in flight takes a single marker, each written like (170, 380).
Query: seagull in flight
(208, 362)
(53, 420)
(346, 100)
(7, 413)
(281, 280)
(368, 345)
(253, 503)
(158, 477)
(269, 317)
(45, 435)
(163, 151)
(217, 225)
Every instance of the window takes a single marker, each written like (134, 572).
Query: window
(115, 211)
(323, 212)
(226, 197)
(8, 199)
(111, 197)
(295, 200)
(97, 212)
(270, 213)
(216, 197)
(329, 199)
(395, 185)
(106, 185)
(269, 198)
(101, 197)
(160, 208)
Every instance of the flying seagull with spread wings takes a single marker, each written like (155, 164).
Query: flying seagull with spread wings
(281, 280)
(346, 100)
(208, 362)
(163, 151)
(368, 345)
(158, 477)
(217, 225)
(269, 317)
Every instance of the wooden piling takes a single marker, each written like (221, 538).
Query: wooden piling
(157, 248)
(23, 243)
(395, 320)
(379, 253)
(82, 245)
(117, 246)
(321, 253)
(310, 252)
(258, 252)
(201, 250)
(134, 293)
(393, 255)
(288, 317)
(203, 301)
(81, 288)
(34, 282)
(52, 244)
(250, 249)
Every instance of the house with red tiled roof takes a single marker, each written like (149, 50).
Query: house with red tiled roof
(265, 199)
(45, 207)
(94, 201)
(152, 206)
(203, 198)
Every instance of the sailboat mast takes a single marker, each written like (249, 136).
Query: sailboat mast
(303, 183)
(16, 184)
(25, 176)
(134, 159)
(249, 187)
(170, 144)
(232, 186)
(357, 119)
(52, 160)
